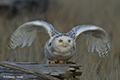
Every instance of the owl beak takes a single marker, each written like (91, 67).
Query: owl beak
(65, 45)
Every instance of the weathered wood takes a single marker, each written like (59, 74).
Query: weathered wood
(28, 71)
(61, 71)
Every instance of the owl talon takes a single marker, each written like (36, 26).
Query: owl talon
(61, 61)
(57, 61)
(52, 61)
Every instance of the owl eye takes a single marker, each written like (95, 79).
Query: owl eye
(69, 41)
(60, 41)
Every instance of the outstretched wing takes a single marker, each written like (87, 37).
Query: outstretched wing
(26, 33)
(97, 41)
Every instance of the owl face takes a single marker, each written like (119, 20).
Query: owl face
(63, 44)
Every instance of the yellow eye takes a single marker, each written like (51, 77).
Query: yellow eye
(69, 41)
(60, 41)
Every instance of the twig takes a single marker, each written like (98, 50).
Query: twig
(28, 71)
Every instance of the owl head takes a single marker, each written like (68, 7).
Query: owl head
(63, 44)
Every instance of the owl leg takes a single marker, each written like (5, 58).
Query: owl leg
(52, 61)
(63, 61)
(55, 61)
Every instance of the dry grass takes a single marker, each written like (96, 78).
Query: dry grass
(64, 15)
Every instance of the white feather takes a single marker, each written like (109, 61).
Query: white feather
(26, 33)
(97, 38)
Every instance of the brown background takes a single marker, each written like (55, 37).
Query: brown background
(64, 15)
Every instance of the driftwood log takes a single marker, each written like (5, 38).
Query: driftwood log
(38, 71)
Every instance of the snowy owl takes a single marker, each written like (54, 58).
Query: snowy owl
(61, 47)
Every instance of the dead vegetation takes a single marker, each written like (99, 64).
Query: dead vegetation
(64, 15)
